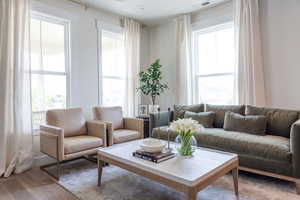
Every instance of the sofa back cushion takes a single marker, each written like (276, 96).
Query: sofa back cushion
(220, 111)
(206, 119)
(279, 121)
(111, 114)
(179, 110)
(253, 124)
(70, 120)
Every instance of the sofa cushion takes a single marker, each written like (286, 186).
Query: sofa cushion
(81, 143)
(110, 114)
(279, 121)
(220, 111)
(125, 135)
(204, 118)
(269, 147)
(254, 124)
(179, 110)
(70, 120)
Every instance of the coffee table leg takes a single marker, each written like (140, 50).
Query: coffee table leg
(100, 166)
(235, 175)
(191, 195)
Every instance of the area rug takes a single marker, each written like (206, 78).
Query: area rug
(80, 178)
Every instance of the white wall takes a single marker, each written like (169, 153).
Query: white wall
(281, 49)
(162, 45)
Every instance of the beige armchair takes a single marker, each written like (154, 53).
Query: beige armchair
(119, 129)
(68, 136)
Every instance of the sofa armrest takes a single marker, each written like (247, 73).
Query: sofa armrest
(97, 129)
(295, 148)
(134, 124)
(109, 132)
(160, 119)
(51, 141)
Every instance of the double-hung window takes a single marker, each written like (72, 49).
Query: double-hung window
(113, 71)
(49, 39)
(213, 64)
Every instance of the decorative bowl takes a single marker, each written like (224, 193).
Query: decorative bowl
(152, 145)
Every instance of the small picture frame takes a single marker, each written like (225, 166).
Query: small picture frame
(143, 110)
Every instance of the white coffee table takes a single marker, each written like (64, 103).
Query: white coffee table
(189, 175)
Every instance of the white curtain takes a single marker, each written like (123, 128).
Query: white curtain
(184, 82)
(15, 108)
(249, 65)
(132, 32)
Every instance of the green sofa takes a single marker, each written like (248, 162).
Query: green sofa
(275, 154)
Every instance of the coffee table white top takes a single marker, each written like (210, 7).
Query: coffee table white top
(181, 169)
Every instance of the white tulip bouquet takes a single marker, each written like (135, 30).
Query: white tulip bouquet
(186, 128)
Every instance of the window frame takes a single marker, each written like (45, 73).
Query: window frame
(105, 27)
(196, 31)
(67, 51)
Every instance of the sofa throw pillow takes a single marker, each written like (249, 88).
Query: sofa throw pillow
(253, 124)
(204, 118)
(179, 110)
(220, 111)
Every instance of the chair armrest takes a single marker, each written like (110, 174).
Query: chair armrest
(134, 124)
(97, 129)
(295, 148)
(51, 141)
(160, 119)
(109, 132)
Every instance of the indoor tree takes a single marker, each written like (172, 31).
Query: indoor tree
(151, 81)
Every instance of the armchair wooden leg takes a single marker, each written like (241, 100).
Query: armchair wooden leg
(58, 169)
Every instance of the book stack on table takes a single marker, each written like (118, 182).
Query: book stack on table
(156, 157)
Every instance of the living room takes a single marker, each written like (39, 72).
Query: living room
(204, 90)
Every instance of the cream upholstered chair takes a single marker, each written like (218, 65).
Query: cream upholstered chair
(119, 129)
(68, 136)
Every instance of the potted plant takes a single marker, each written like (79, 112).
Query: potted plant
(151, 82)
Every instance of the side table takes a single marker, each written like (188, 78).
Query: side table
(146, 125)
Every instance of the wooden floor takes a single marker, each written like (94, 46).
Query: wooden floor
(32, 185)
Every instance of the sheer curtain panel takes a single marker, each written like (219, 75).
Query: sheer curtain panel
(249, 64)
(132, 32)
(16, 139)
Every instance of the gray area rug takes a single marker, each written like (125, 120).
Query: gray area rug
(80, 178)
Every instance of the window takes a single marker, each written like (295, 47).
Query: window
(113, 78)
(49, 66)
(214, 64)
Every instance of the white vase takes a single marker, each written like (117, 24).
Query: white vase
(153, 108)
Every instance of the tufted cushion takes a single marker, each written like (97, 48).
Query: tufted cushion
(220, 111)
(254, 124)
(110, 114)
(279, 121)
(179, 110)
(81, 143)
(70, 120)
(206, 119)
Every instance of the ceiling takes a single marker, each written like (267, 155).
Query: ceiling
(150, 12)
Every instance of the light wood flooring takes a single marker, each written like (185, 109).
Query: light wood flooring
(32, 185)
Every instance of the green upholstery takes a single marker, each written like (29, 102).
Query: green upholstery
(295, 148)
(220, 111)
(206, 119)
(279, 121)
(254, 124)
(179, 110)
(160, 119)
(162, 133)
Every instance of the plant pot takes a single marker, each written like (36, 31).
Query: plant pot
(153, 108)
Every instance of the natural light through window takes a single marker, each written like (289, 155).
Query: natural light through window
(214, 64)
(113, 69)
(48, 66)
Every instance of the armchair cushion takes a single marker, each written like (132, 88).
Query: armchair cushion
(81, 143)
(110, 114)
(70, 120)
(124, 135)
